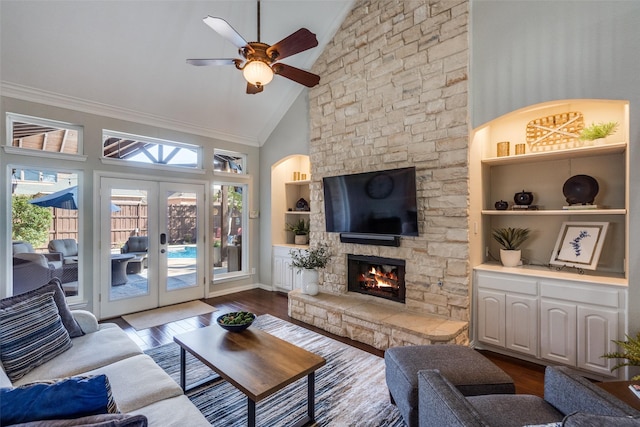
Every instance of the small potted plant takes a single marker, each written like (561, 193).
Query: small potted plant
(308, 261)
(300, 231)
(631, 352)
(217, 252)
(598, 131)
(510, 240)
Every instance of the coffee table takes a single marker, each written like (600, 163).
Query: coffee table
(255, 362)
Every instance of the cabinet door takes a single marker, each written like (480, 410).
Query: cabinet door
(597, 328)
(491, 317)
(288, 274)
(279, 272)
(522, 324)
(558, 331)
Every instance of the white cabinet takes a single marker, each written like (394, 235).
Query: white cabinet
(507, 314)
(568, 322)
(285, 277)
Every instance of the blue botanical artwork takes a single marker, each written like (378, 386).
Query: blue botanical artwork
(579, 244)
(575, 243)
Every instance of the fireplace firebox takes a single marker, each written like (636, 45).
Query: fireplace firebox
(380, 277)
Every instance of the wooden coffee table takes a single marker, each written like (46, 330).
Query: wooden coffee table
(255, 362)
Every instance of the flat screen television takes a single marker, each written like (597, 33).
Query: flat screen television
(381, 202)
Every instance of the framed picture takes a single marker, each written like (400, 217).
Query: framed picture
(579, 244)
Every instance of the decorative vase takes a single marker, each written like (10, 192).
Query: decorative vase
(301, 239)
(309, 281)
(510, 258)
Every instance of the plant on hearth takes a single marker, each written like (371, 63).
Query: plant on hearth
(630, 353)
(310, 259)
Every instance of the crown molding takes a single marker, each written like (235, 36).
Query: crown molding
(27, 93)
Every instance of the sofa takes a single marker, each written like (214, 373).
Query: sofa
(138, 386)
(569, 400)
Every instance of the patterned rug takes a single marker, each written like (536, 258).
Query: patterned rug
(350, 388)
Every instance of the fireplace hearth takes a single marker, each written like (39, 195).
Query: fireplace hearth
(380, 277)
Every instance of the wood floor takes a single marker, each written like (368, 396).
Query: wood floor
(528, 377)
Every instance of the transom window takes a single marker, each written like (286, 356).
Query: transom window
(229, 161)
(43, 135)
(142, 149)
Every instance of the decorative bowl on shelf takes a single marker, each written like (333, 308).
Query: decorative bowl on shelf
(580, 189)
(236, 321)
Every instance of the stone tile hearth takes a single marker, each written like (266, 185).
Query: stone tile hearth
(379, 324)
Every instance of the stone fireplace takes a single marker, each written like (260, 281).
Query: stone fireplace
(380, 277)
(393, 94)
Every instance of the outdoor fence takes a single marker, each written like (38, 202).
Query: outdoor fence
(131, 220)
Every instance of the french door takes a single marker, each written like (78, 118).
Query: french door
(152, 250)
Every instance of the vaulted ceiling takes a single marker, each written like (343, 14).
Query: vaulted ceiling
(127, 59)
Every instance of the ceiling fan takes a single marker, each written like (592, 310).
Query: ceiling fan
(260, 61)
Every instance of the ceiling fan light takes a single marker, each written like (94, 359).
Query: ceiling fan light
(257, 73)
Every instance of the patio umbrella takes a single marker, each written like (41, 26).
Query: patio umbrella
(63, 199)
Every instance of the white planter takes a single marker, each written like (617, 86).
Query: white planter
(301, 239)
(510, 258)
(309, 281)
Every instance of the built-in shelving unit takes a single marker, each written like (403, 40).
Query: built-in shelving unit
(543, 171)
(285, 194)
(536, 311)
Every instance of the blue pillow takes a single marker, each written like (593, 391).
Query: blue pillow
(56, 399)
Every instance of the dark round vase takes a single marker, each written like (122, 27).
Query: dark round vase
(501, 205)
(523, 198)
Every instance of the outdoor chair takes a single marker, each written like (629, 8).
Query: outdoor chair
(68, 249)
(136, 245)
(31, 269)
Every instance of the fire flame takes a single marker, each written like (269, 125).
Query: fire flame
(379, 279)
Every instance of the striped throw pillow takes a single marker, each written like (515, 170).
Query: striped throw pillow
(31, 333)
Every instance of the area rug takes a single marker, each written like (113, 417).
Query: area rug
(168, 314)
(350, 389)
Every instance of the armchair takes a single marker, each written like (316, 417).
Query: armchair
(32, 270)
(567, 396)
(138, 246)
(68, 249)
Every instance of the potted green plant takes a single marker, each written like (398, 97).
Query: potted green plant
(300, 231)
(308, 261)
(510, 240)
(631, 353)
(598, 131)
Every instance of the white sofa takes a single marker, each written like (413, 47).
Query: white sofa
(138, 384)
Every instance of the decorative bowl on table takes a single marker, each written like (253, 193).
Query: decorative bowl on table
(236, 321)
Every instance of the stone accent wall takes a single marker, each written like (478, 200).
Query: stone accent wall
(393, 93)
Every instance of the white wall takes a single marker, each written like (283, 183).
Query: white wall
(291, 136)
(526, 52)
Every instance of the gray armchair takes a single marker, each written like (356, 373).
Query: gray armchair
(138, 246)
(68, 249)
(567, 396)
(32, 270)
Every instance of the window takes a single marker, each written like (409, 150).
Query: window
(229, 225)
(45, 229)
(42, 135)
(227, 161)
(141, 149)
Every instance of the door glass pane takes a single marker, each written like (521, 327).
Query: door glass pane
(228, 218)
(182, 220)
(129, 244)
(44, 232)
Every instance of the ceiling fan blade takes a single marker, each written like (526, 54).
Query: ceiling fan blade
(252, 90)
(296, 74)
(297, 42)
(218, 61)
(223, 28)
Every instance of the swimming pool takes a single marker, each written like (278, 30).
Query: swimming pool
(182, 252)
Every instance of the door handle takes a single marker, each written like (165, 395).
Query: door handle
(163, 239)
